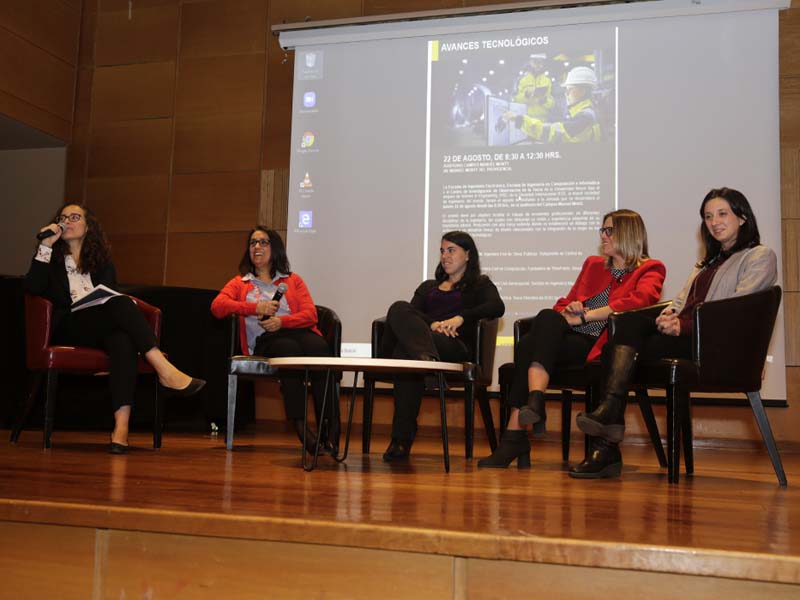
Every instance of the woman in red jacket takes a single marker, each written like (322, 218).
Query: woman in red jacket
(284, 327)
(574, 330)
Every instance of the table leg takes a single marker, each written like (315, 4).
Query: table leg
(349, 420)
(443, 409)
(313, 464)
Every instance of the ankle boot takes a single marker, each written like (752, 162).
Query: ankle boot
(514, 444)
(398, 450)
(534, 413)
(311, 437)
(608, 420)
(605, 461)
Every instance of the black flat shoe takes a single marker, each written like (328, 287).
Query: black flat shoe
(398, 450)
(195, 385)
(118, 448)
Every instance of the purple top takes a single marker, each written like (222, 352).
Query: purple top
(441, 305)
(697, 294)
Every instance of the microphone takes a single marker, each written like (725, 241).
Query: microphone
(49, 232)
(278, 295)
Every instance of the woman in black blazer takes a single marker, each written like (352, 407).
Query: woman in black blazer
(68, 265)
(438, 324)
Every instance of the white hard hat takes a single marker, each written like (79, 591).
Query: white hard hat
(581, 76)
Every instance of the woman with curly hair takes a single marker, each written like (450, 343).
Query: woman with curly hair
(68, 265)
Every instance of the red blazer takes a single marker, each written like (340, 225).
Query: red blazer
(637, 289)
(232, 300)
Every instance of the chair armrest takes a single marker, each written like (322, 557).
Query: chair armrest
(38, 323)
(152, 314)
(485, 345)
(330, 326)
(651, 311)
(378, 327)
(521, 327)
(731, 338)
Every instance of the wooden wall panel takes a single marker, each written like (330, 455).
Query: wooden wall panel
(36, 76)
(789, 47)
(88, 33)
(274, 205)
(791, 309)
(78, 150)
(34, 116)
(218, 201)
(151, 34)
(790, 111)
(222, 27)
(39, 559)
(791, 254)
(221, 84)
(139, 258)
(217, 143)
(131, 148)
(157, 565)
(128, 92)
(790, 182)
(204, 260)
(52, 25)
(280, 73)
(130, 205)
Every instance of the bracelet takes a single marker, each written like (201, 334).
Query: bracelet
(583, 319)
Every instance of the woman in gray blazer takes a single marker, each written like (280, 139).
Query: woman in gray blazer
(735, 264)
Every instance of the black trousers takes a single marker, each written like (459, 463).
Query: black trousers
(408, 336)
(296, 342)
(119, 328)
(640, 332)
(552, 343)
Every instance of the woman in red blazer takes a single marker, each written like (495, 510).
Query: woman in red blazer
(284, 327)
(574, 330)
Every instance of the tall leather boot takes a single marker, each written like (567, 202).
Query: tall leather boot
(514, 444)
(605, 461)
(608, 420)
(534, 413)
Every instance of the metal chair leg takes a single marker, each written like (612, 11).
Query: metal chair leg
(469, 418)
(50, 405)
(369, 399)
(486, 415)
(25, 409)
(673, 433)
(686, 434)
(646, 406)
(157, 411)
(443, 411)
(566, 423)
(233, 384)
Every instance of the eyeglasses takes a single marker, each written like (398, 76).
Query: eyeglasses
(72, 218)
(263, 243)
(609, 231)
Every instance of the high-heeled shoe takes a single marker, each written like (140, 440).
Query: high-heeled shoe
(514, 445)
(195, 385)
(534, 412)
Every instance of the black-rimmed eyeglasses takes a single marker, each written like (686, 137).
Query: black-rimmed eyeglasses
(72, 218)
(609, 231)
(262, 243)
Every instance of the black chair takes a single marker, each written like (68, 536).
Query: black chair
(475, 380)
(255, 367)
(585, 378)
(729, 349)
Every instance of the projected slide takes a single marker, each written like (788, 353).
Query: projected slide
(522, 150)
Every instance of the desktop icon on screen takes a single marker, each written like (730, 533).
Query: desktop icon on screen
(308, 139)
(306, 184)
(310, 99)
(305, 219)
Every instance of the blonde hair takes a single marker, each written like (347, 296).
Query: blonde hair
(630, 237)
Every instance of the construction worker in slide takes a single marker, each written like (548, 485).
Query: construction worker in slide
(579, 125)
(534, 88)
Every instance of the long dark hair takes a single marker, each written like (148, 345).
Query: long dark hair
(279, 262)
(95, 249)
(472, 274)
(748, 235)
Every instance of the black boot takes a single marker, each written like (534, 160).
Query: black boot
(605, 461)
(398, 450)
(608, 420)
(534, 413)
(514, 444)
(311, 437)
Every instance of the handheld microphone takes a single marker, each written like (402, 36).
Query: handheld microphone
(49, 232)
(278, 295)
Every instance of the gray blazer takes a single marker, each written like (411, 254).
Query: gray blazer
(748, 271)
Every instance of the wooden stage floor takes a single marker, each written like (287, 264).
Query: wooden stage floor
(731, 520)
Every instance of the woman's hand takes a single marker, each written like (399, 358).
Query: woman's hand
(266, 308)
(572, 320)
(271, 325)
(448, 327)
(574, 308)
(668, 323)
(50, 240)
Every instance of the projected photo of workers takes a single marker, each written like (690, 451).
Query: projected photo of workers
(503, 97)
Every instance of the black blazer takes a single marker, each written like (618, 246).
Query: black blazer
(50, 281)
